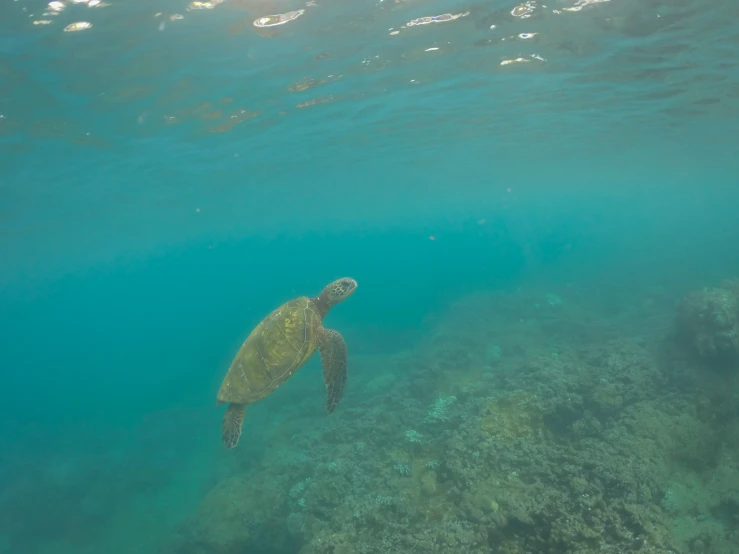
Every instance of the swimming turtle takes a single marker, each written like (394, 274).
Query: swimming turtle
(278, 347)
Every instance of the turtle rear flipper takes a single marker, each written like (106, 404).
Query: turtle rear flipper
(334, 360)
(232, 420)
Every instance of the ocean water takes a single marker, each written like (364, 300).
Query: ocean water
(538, 202)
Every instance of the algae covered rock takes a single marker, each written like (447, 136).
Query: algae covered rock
(707, 322)
(239, 514)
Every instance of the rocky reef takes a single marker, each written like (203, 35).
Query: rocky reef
(708, 323)
(518, 425)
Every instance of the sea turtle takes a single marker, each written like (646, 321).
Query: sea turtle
(276, 349)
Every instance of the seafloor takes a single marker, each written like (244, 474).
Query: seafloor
(523, 423)
(552, 421)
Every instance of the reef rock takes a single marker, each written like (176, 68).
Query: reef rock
(707, 322)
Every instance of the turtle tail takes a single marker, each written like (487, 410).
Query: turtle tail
(232, 420)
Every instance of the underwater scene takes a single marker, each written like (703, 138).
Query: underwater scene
(369, 277)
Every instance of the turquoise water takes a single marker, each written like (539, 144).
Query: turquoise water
(539, 203)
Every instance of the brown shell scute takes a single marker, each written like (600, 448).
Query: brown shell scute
(274, 350)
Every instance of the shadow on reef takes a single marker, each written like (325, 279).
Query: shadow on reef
(522, 423)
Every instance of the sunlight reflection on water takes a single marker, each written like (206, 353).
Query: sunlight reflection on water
(166, 64)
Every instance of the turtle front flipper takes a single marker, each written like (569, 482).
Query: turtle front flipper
(232, 420)
(334, 360)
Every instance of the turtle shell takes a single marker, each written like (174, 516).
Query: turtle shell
(274, 350)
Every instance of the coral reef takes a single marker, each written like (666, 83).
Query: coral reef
(577, 440)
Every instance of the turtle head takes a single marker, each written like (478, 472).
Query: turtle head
(339, 290)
